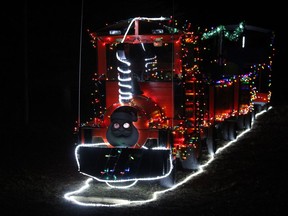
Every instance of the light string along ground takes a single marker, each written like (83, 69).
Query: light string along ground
(102, 201)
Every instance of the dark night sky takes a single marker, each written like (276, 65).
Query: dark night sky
(41, 41)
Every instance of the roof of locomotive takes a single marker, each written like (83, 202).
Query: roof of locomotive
(147, 26)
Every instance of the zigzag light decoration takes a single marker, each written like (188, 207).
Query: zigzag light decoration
(231, 36)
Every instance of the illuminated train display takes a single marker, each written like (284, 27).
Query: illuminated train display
(162, 96)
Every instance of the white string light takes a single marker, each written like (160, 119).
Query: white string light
(120, 180)
(102, 201)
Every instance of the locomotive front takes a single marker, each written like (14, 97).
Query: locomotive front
(132, 140)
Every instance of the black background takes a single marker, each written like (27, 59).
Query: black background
(40, 55)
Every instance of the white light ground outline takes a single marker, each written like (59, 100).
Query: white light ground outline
(72, 196)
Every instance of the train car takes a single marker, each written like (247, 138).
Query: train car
(160, 97)
(238, 61)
